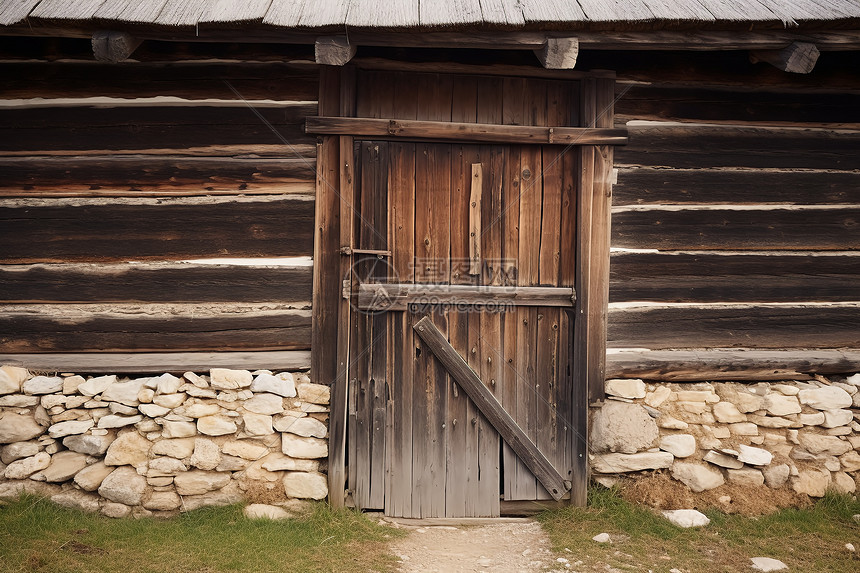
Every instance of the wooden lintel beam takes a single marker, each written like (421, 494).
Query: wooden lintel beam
(333, 50)
(490, 407)
(400, 296)
(454, 131)
(113, 47)
(797, 58)
(558, 53)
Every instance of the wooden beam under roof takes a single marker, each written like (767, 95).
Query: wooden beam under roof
(333, 50)
(797, 58)
(113, 47)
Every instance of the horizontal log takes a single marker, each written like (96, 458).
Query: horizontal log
(98, 230)
(399, 297)
(157, 362)
(145, 175)
(262, 150)
(734, 326)
(700, 146)
(780, 228)
(715, 277)
(188, 80)
(151, 127)
(152, 328)
(646, 186)
(723, 364)
(153, 282)
(453, 131)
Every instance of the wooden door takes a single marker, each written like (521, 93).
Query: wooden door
(479, 239)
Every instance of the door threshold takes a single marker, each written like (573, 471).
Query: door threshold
(450, 521)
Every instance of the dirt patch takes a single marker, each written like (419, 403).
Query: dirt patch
(660, 491)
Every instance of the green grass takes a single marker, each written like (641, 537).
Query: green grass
(806, 540)
(36, 535)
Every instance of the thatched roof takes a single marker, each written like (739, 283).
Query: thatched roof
(437, 14)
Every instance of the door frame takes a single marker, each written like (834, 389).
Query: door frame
(333, 249)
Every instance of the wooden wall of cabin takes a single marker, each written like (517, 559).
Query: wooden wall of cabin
(112, 177)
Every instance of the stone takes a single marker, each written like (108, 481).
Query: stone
(92, 476)
(64, 466)
(18, 401)
(282, 385)
(850, 462)
(767, 564)
(124, 392)
(723, 460)
(745, 477)
(263, 511)
(71, 384)
(313, 393)
(669, 423)
(197, 482)
(226, 379)
(602, 538)
(626, 388)
(832, 463)
(775, 476)
(24, 468)
(836, 418)
(743, 429)
(781, 405)
(113, 421)
(838, 431)
(679, 445)
(244, 449)
(624, 428)
(153, 410)
(76, 499)
(303, 485)
(167, 384)
(42, 385)
(206, 455)
(129, 448)
(656, 398)
(815, 419)
(827, 398)
(708, 396)
(200, 410)
(276, 462)
(694, 407)
(95, 386)
(231, 464)
(49, 401)
(163, 501)
(122, 409)
(812, 482)
(686, 518)
(727, 413)
(145, 395)
(697, 477)
(196, 392)
(172, 429)
(786, 389)
(116, 510)
(310, 448)
(179, 448)
(819, 444)
(124, 485)
(11, 379)
(754, 456)
(18, 450)
(843, 483)
(257, 424)
(618, 463)
(265, 404)
(216, 425)
(169, 401)
(227, 495)
(164, 466)
(69, 428)
(307, 427)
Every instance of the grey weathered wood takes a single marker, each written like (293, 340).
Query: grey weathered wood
(559, 53)
(114, 47)
(139, 362)
(402, 296)
(491, 409)
(797, 58)
(333, 50)
(453, 131)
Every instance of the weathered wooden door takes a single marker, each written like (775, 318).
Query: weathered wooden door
(462, 382)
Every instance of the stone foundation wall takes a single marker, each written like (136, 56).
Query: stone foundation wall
(799, 435)
(163, 444)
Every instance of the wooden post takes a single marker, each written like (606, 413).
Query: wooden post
(114, 47)
(558, 53)
(798, 58)
(333, 50)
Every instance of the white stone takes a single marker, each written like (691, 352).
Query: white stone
(11, 378)
(282, 385)
(263, 511)
(786, 389)
(244, 449)
(226, 379)
(617, 462)
(827, 398)
(215, 426)
(167, 384)
(145, 395)
(626, 388)
(308, 427)
(197, 482)
(76, 499)
(124, 392)
(723, 460)
(113, 421)
(196, 392)
(18, 401)
(669, 423)
(92, 476)
(624, 428)
(854, 379)
(49, 401)
(70, 384)
(850, 462)
(721, 433)
(727, 413)
(24, 468)
(172, 429)
(819, 444)
(687, 518)
(227, 495)
(198, 381)
(747, 477)
(265, 404)
(163, 501)
(64, 465)
(707, 396)
(276, 462)
(744, 429)
(697, 476)
(815, 419)
(767, 564)
(303, 485)
(42, 385)
(69, 428)
(168, 400)
(843, 483)
(129, 448)
(257, 424)
(153, 410)
(18, 450)
(231, 464)
(812, 482)
(656, 398)
(164, 466)
(95, 386)
(754, 456)
(115, 510)
(179, 448)
(124, 485)
(776, 476)
(122, 409)
(836, 418)
(200, 410)
(313, 393)
(679, 445)
(206, 455)
(305, 448)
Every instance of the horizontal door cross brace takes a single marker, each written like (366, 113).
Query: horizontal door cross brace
(490, 407)
(401, 296)
(454, 131)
